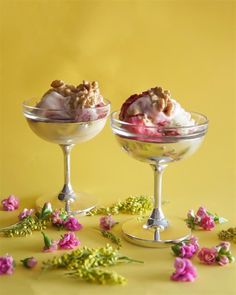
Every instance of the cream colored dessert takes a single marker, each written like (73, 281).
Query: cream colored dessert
(69, 114)
(155, 107)
(79, 103)
(153, 127)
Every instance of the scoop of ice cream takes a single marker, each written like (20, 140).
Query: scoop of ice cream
(155, 107)
(54, 105)
(64, 102)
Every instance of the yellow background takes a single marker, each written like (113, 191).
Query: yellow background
(128, 46)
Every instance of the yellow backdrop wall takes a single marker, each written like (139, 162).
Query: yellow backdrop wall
(128, 46)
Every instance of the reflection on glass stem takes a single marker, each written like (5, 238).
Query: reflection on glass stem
(157, 218)
(67, 193)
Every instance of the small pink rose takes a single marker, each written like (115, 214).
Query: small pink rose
(68, 241)
(6, 265)
(10, 204)
(194, 242)
(49, 245)
(51, 248)
(180, 265)
(186, 248)
(223, 260)
(184, 270)
(207, 222)
(25, 213)
(57, 218)
(201, 212)
(207, 256)
(29, 262)
(72, 224)
(187, 251)
(107, 222)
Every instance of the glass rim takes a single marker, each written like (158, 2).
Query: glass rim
(205, 123)
(26, 105)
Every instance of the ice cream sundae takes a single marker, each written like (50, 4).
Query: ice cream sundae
(67, 113)
(154, 112)
(153, 128)
(80, 103)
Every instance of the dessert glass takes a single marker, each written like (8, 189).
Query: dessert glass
(173, 144)
(49, 126)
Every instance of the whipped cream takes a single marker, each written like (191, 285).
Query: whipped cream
(157, 108)
(65, 102)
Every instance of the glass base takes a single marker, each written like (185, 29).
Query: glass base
(82, 204)
(135, 232)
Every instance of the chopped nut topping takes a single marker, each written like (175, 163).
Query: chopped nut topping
(169, 108)
(161, 104)
(57, 83)
(161, 100)
(84, 95)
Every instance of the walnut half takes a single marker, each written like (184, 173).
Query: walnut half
(161, 100)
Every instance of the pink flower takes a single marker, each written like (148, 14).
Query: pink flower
(49, 245)
(184, 270)
(203, 219)
(68, 241)
(186, 248)
(6, 265)
(223, 260)
(58, 218)
(207, 256)
(51, 248)
(25, 213)
(107, 222)
(10, 204)
(207, 222)
(201, 212)
(187, 251)
(219, 254)
(194, 242)
(29, 262)
(72, 224)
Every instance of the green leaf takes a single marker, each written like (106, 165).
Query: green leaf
(47, 241)
(176, 249)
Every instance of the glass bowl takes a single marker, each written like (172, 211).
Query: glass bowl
(158, 146)
(67, 129)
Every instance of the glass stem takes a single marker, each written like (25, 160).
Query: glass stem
(67, 194)
(157, 218)
(66, 150)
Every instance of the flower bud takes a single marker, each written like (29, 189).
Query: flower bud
(47, 209)
(29, 262)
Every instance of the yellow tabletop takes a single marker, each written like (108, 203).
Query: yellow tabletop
(128, 46)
